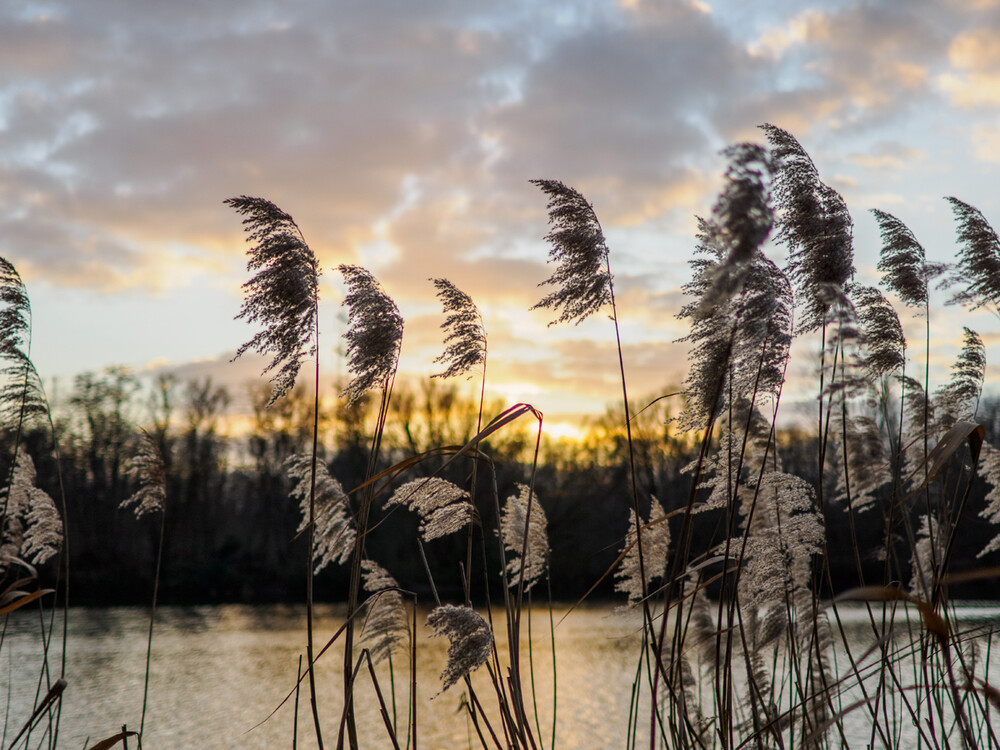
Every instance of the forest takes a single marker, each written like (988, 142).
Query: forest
(231, 523)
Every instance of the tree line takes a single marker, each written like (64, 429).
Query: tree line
(231, 526)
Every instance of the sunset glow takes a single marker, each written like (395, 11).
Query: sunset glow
(402, 137)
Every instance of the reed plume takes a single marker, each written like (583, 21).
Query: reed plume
(470, 640)
(727, 473)
(333, 532)
(711, 336)
(443, 507)
(741, 222)
(741, 308)
(22, 397)
(386, 625)
(785, 532)
(989, 470)
(283, 295)
(146, 467)
(958, 399)
(465, 342)
(743, 336)
(32, 527)
(978, 268)
(582, 279)
(656, 548)
(374, 334)
(814, 224)
(515, 528)
(15, 315)
(43, 532)
(884, 342)
(903, 262)
(864, 461)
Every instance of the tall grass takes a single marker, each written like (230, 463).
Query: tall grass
(743, 639)
(32, 527)
(744, 629)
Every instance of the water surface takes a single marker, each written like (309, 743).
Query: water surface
(218, 672)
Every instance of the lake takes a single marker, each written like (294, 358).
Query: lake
(218, 671)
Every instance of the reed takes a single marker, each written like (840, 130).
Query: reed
(743, 640)
(744, 636)
(32, 528)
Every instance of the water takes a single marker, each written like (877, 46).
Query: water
(219, 671)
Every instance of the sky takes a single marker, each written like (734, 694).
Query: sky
(402, 136)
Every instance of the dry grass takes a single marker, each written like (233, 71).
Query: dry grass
(744, 642)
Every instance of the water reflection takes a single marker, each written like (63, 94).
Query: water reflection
(219, 671)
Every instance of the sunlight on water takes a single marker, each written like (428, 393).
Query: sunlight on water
(218, 671)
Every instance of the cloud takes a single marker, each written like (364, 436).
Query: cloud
(614, 111)
(406, 136)
(175, 112)
(888, 155)
(973, 81)
(872, 59)
(405, 140)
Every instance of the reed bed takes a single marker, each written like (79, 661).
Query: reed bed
(744, 637)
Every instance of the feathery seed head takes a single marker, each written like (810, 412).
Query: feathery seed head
(386, 624)
(582, 280)
(44, 535)
(22, 395)
(864, 463)
(283, 296)
(516, 527)
(374, 335)
(741, 314)
(147, 467)
(883, 333)
(959, 399)
(746, 336)
(465, 344)
(655, 548)
(376, 578)
(978, 268)
(785, 532)
(443, 507)
(11, 541)
(741, 220)
(15, 315)
(813, 223)
(471, 640)
(727, 471)
(989, 470)
(334, 534)
(764, 335)
(32, 522)
(903, 262)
